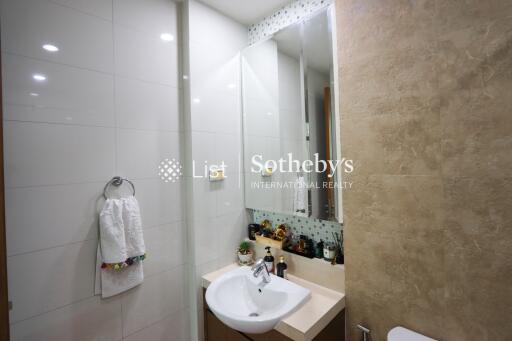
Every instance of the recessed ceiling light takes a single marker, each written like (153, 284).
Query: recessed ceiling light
(167, 37)
(231, 85)
(50, 48)
(197, 100)
(33, 94)
(38, 77)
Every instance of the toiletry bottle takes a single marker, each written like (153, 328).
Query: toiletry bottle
(281, 268)
(269, 260)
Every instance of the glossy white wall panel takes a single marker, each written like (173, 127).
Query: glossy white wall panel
(261, 119)
(215, 112)
(289, 75)
(165, 246)
(46, 280)
(100, 8)
(68, 95)
(206, 240)
(146, 57)
(207, 26)
(145, 105)
(230, 199)
(151, 16)
(234, 227)
(159, 296)
(91, 319)
(160, 203)
(50, 154)
(173, 328)
(141, 151)
(83, 40)
(228, 148)
(43, 217)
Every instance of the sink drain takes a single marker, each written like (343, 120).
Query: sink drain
(254, 314)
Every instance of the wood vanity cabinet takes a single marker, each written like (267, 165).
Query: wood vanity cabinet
(215, 330)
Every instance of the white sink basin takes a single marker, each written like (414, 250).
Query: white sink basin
(246, 304)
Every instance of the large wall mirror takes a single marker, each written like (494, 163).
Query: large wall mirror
(290, 121)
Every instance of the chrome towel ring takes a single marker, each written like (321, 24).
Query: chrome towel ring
(117, 181)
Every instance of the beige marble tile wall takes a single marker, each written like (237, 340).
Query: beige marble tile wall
(426, 114)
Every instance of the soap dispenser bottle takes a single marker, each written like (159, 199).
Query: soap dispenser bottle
(269, 260)
(281, 268)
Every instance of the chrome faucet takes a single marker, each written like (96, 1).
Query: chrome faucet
(259, 268)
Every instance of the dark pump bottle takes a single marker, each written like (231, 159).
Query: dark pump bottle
(281, 268)
(269, 260)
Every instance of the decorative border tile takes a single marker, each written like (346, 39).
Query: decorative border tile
(289, 14)
(315, 229)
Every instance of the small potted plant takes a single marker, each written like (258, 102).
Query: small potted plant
(245, 253)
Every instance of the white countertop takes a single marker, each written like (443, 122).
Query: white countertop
(311, 317)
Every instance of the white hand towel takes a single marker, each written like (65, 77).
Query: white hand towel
(111, 282)
(112, 232)
(132, 227)
(121, 238)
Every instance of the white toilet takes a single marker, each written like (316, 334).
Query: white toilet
(404, 334)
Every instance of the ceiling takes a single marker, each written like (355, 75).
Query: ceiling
(246, 12)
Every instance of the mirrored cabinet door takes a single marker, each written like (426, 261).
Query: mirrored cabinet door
(289, 121)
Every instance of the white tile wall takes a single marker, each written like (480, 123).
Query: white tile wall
(38, 154)
(34, 223)
(173, 328)
(161, 18)
(145, 56)
(219, 220)
(65, 97)
(100, 8)
(141, 151)
(84, 41)
(160, 296)
(145, 105)
(90, 319)
(45, 280)
(109, 106)
(165, 248)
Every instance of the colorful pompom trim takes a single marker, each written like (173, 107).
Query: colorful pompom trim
(126, 263)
